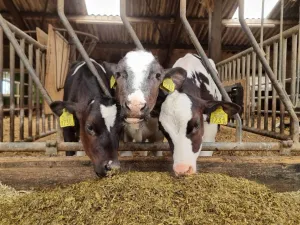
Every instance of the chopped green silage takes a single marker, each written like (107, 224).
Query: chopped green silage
(154, 198)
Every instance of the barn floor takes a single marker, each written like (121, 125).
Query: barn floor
(34, 173)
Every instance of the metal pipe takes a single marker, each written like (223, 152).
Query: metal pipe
(281, 92)
(1, 79)
(211, 70)
(266, 97)
(294, 72)
(25, 36)
(269, 41)
(238, 68)
(30, 86)
(11, 93)
(248, 106)
(75, 146)
(128, 25)
(21, 126)
(37, 93)
(252, 115)
(43, 82)
(275, 69)
(266, 133)
(64, 20)
(22, 55)
(283, 76)
(234, 70)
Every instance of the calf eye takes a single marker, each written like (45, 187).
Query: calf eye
(89, 128)
(158, 75)
(192, 127)
(118, 75)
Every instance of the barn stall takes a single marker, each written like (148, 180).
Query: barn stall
(270, 160)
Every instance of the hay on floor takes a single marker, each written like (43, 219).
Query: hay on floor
(155, 198)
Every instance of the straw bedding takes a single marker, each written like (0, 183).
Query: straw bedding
(155, 198)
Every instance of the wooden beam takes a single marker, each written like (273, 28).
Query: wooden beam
(15, 14)
(118, 46)
(117, 20)
(215, 33)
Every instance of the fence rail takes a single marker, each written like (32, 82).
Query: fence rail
(262, 102)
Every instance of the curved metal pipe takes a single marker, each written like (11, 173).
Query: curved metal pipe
(211, 70)
(64, 20)
(128, 25)
(278, 87)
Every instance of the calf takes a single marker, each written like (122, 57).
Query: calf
(142, 132)
(185, 113)
(96, 118)
(138, 77)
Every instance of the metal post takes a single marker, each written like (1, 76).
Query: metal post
(281, 92)
(1, 79)
(12, 92)
(275, 69)
(64, 20)
(211, 70)
(30, 86)
(22, 55)
(128, 25)
(21, 129)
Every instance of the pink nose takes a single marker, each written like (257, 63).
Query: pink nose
(135, 107)
(183, 169)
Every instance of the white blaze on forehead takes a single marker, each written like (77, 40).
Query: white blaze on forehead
(137, 97)
(109, 114)
(138, 62)
(176, 111)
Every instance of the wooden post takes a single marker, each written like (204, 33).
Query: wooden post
(215, 33)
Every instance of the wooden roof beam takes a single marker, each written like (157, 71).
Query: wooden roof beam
(17, 18)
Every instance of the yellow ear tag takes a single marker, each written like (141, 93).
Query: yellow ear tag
(168, 85)
(219, 116)
(113, 83)
(66, 119)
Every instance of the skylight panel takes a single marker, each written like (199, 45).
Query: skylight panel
(103, 7)
(253, 9)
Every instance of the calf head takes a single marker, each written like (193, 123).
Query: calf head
(182, 122)
(138, 77)
(99, 130)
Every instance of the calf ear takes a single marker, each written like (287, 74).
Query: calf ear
(178, 75)
(228, 107)
(112, 67)
(58, 106)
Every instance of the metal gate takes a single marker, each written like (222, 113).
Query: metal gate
(52, 147)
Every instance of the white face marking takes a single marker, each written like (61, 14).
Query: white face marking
(138, 62)
(176, 111)
(109, 115)
(136, 97)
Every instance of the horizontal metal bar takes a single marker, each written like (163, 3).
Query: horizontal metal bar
(29, 39)
(263, 132)
(72, 146)
(286, 34)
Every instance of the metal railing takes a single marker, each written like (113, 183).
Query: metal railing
(262, 100)
(24, 119)
(52, 147)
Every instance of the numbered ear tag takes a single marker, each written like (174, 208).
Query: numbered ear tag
(66, 119)
(219, 116)
(113, 83)
(168, 85)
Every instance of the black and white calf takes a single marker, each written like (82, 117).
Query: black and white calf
(97, 123)
(185, 113)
